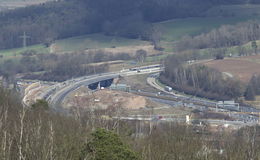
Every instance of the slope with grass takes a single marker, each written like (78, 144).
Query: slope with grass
(175, 29)
(93, 41)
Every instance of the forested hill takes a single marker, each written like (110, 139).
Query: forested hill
(129, 18)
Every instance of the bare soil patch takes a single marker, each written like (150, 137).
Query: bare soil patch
(103, 99)
(130, 104)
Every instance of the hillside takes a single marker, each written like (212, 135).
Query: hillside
(172, 30)
(79, 43)
(130, 79)
(64, 19)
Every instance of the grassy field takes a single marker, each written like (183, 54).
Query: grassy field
(175, 29)
(16, 52)
(94, 41)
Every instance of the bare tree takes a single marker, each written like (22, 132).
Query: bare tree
(155, 36)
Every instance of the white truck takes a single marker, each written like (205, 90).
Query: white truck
(167, 88)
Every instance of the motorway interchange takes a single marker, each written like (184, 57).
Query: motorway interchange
(56, 94)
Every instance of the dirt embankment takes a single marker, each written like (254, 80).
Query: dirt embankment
(32, 92)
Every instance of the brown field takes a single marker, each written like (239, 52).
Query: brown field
(242, 68)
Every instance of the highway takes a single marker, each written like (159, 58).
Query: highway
(56, 94)
(58, 97)
(151, 80)
(251, 116)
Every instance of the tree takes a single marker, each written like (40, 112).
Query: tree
(107, 145)
(155, 37)
(254, 46)
(250, 93)
(219, 56)
(225, 36)
(48, 42)
(199, 80)
(141, 55)
(242, 51)
(40, 104)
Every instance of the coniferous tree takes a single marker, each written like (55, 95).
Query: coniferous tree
(107, 145)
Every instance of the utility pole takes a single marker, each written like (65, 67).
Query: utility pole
(151, 120)
(24, 37)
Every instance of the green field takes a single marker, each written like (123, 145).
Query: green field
(175, 29)
(94, 41)
(17, 51)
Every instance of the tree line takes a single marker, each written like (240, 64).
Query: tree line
(253, 88)
(39, 133)
(58, 67)
(61, 19)
(199, 80)
(225, 36)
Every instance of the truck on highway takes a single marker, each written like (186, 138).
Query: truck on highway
(168, 88)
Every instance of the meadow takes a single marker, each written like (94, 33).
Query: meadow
(94, 41)
(175, 29)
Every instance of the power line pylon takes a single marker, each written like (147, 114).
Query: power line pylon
(24, 37)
